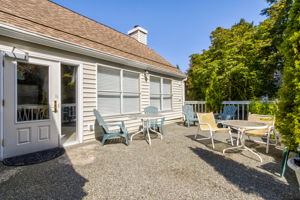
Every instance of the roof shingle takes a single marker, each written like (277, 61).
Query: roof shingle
(48, 18)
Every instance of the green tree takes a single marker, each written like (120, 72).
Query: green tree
(214, 94)
(288, 116)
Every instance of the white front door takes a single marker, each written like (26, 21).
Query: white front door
(31, 112)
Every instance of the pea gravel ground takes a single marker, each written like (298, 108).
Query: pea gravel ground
(177, 167)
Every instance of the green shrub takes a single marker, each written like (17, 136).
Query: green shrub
(288, 116)
(263, 108)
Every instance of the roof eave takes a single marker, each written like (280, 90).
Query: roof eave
(21, 34)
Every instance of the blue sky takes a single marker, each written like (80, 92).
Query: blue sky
(176, 28)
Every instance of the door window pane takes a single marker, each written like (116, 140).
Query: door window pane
(32, 92)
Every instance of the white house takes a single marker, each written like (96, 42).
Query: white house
(56, 66)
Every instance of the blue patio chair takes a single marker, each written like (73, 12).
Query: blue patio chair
(228, 112)
(155, 123)
(189, 115)
(121, 132)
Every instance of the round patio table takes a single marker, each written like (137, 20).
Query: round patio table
(146, 123)
(241, 126)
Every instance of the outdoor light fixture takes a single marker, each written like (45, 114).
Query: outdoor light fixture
(24, 56)
(146, 73)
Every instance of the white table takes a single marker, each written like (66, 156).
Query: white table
(146, 123)
(241, 126)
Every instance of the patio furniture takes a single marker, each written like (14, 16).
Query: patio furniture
(189, 115)
(120, 132)
(228, 113)
(268, 132)
(207, 123)
(155, 123)
(242, 126)
(147, 120)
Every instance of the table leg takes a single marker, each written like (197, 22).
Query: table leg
(158, 133)
(243, 146)
(143, 128)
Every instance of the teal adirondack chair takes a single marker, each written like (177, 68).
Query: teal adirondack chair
(228, 112)
(189, 115)
(155, 123)
(122, 132)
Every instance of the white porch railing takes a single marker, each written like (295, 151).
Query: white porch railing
(242, 107)
(68, 112)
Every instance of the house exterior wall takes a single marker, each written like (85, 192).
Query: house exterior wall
(88, 85)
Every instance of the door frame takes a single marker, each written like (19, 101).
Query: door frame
(1, 106)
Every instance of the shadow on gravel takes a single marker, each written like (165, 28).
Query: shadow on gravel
(248, 179)
(219, 145)
(55, 179)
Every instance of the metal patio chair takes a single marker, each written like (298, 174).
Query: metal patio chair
(268, 132)
(189, 115)
(120, 132)
(155, 123)
(228, 112)
(207, 123)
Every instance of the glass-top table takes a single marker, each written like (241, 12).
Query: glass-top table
(241, 126)
(146, 125)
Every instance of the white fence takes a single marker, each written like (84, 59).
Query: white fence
(242, 107)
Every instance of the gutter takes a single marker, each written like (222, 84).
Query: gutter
(21, 34)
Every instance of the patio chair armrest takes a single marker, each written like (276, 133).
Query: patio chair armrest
(121, 126)
(116, 120)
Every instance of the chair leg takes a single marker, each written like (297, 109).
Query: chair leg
(197, 132)
(230, 137)
(268, 141)
(212, 139)
(103, 140)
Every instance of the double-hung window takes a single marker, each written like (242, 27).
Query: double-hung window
(118, 91)
(160, 93)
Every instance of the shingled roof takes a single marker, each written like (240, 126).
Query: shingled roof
(51, 19)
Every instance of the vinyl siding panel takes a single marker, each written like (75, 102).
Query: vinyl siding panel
(89, 99)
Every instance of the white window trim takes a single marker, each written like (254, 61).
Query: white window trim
(161, 92)
(121, 92)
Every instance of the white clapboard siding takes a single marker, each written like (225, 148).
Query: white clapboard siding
(89, 99)
(132, 125)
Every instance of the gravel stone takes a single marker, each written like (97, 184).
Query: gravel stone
(177, 167)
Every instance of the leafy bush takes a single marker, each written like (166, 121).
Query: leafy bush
(288, 116)
(263, 108)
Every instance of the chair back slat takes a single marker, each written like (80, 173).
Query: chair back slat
(100, 120)
(207, 118)
(151, 110)
(228, 112)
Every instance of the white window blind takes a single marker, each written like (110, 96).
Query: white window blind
(160, 93)
(114, 98)
(155, 92)
(131, 96)
(167, 96)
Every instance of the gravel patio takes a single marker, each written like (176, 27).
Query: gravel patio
(176, 167)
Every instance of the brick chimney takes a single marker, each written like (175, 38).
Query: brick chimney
(139, 33)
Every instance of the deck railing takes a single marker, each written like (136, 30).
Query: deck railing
(242, 107)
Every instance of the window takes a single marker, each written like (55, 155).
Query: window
(160, 93)
(32, 92)
(118, 91)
